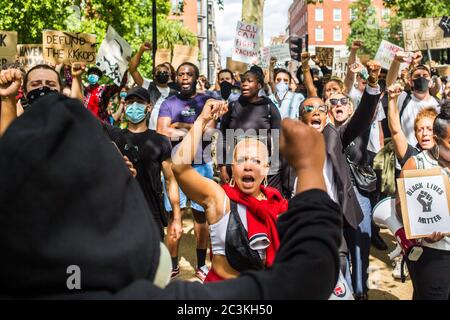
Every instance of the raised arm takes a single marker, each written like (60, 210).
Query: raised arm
(136, 60)
(398, 136)
(307, 78)
(350, 76)
(76, 91)
(271, 82)
(202, 190)
(10, 81)
(391, 77)
(365, 112)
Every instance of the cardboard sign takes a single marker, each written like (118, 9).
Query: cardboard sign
(386, 54)
(425, 202)
(418, 33)
(8, 46)
(236, 66)
(184, 54)
(340, 66)
(114, 55)
(246, 43)
(280, 51)
(68, 47)
(162, 55)
(30, 55)
(325, 55)
(445, 26)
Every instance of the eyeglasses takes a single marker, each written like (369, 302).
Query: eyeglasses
(322, 108)
(342, 101)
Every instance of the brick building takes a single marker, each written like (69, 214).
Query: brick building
(327, 23)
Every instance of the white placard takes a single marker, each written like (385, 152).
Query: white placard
(386, 54)
(279, 51)
(114, 55)
(246, 43)
(427, 205)
(340, 65)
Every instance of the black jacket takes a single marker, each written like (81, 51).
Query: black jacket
(336, 140)
(155, 94)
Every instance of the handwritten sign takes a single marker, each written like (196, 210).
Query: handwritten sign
(68, 47)
(325, 55)
(425, 202)
(340, 65)
(114, 55)
(279, 51)
(386, 54)
(30, 55)
(184, 54)
(246, 43)
(418, 33)
(8, 46)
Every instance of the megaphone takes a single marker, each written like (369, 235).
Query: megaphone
(342, 290)
(384, 214)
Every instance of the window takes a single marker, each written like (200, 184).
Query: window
(199, 8)
(319, 34)
(319, 14)
(337, 34)
(385, 13)
(352, 14)
(337, 15)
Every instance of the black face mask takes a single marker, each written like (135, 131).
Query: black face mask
(382, 84)
(225, 89)
(35, 94)
(421, 84)
(162, 77)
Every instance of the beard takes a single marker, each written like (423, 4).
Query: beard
(187, 93)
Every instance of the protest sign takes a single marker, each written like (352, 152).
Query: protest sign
(340, 65)
(8, 46)
(386, 54)
(184, 54)
(162, 55)
(30, 55)
(420, 33)
(325, 55)
(280, 51)
(114, 55)
(445, 26)
(425, 202)
(68, 47)
(246, 43)
(236, 66)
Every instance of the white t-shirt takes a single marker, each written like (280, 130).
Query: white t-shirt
(409, 114)
(374, 138)
(155, 111)
(328, 176)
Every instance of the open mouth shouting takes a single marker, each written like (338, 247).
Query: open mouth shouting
(316, 123)
(248, 181)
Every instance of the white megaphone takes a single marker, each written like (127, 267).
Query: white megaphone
(384, 214)
(341, 291)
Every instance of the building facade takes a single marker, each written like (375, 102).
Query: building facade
(199, 17)
(327, 23)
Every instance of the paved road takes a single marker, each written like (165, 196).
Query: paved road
(382, 284)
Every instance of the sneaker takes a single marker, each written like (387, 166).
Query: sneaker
(397, 272)
(175, 273)
(202, 272)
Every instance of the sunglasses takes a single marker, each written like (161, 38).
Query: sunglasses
(308, 109)
(342, 101)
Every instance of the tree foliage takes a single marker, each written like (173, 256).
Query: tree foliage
(132, 19)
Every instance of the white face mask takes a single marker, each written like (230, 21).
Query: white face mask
(282, 89)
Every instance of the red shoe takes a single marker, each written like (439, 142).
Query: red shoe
(202, 272)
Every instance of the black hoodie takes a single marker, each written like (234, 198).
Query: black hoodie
(67, 198)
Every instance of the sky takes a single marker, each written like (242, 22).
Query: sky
(275, 22)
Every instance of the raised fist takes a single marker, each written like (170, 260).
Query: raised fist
(395, 90)
(305, 56)
(273, 61)
(425, 199)
(78, 69)
(401, 56)
(374, 69)
(356, 67)
(10, 81)
(146, 46)
(357, 44)
(417, 57)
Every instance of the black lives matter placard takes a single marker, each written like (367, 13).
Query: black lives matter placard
(68, 47)
(8, 43)
(425, 202)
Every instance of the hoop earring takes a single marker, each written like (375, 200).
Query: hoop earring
(231, 183)
(436, 152)
(265, 182)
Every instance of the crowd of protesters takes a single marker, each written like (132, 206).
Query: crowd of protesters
(215, 150)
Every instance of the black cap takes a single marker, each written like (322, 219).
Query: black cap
(421, 67)
(139, 92)
(95, 70)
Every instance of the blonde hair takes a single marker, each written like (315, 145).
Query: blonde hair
(429, 112)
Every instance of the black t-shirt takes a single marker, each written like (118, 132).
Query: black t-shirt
(150, 150)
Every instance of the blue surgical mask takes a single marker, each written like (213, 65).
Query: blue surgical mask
(135, 112)
(282, 89)
(92, 78)
(123, 95)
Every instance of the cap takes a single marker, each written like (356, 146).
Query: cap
(139, 92)
(420, 67)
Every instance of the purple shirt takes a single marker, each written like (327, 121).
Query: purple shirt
(183, 110)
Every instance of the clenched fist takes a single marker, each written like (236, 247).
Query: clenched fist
(10, 81)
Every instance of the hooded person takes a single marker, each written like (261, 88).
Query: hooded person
(69, 203)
